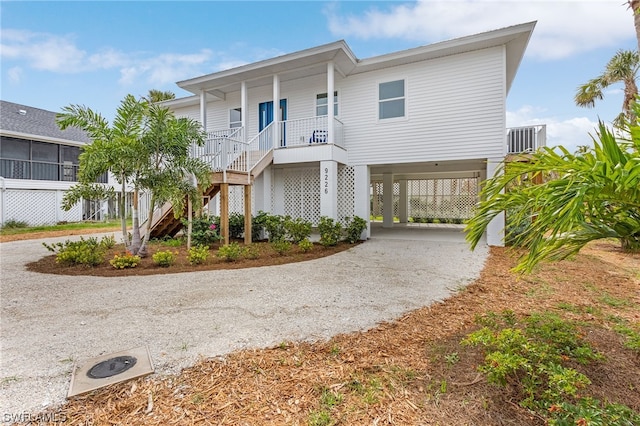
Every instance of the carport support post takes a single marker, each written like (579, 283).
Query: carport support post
(329, 189)
(363, 197)
(387, 200)
(403, 211)
(495, 229)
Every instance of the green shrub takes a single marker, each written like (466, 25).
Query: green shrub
(86, 252)
(274, 225)
(305, 245)
(164, 258)
(258, 225)
(236, 225)
(354, 229)
(251, 251)
(297, 229)
(14, 224)
(588, 411)
(198, 254)
(125, 260)
(171, 242)
(530, 357)
(281, 247)
(230, 252)
(330, 231)
(205, 230)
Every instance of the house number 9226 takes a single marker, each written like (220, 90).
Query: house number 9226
(326, 180)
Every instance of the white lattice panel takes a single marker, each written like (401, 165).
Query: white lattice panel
(73, 215)
(31, 206)
(442, 198)
(377, 200)
(346, 192)
(236, 200)
(302, 193)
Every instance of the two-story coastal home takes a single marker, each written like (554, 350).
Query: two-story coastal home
(407, 135)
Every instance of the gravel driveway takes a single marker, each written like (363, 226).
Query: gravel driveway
(50, 321)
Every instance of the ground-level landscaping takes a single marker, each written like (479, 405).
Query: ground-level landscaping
(415, 370)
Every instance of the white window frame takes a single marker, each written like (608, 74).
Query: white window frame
(336, 98)
(403, 98)
(235, 124)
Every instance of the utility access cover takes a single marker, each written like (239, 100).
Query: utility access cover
(94, 373)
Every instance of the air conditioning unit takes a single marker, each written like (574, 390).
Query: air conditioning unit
(522, 139)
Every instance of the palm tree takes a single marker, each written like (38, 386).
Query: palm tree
(595, 193)
(170, 169)
(115, 149)
(155, 96)
(622, 68)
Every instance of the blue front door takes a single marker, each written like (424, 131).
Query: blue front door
(265, 116)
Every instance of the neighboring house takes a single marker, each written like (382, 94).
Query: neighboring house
(38, 163)
(321, 133)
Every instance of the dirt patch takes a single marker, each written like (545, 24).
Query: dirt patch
(409, 371)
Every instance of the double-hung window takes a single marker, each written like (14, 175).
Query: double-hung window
(235, 118)
(322, 104)
(391, 99)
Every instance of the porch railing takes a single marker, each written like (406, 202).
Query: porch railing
(219, 146)
(526, 139)
(308, 131)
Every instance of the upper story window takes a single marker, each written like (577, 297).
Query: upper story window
(322, 107)
(235, 118)
(391, 99)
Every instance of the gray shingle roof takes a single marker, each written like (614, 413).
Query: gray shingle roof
(36, 122)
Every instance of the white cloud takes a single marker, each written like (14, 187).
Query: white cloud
(60, 54)
(563, 28)
(570, 133)
(15, 74)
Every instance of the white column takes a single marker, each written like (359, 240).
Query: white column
(262, 191)
(203, 109)
(330, 90)
(387, 200)
(243, 107)
(276, 110)
(277, 203)
(362, 196)
(329, 189)
(495, 229)
(403, 210)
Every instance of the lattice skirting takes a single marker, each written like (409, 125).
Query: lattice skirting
(37, 207)
(428, 199)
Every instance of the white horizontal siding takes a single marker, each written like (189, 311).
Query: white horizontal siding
(455, 109)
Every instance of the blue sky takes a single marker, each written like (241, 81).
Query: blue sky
(94, 53)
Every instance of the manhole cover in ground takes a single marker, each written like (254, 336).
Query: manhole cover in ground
(111, 367)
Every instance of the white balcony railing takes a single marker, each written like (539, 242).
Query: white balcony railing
(526, 139)
(308, 131)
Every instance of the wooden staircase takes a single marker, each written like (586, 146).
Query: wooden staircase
(165, 222)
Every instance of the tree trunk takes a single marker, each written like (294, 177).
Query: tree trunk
(190, 221)
(135, 232)
(631, 244)
(123, 215)
(152, 206)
